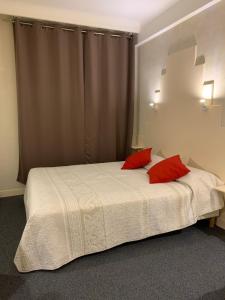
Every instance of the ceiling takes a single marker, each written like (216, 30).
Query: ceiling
(124, 14)
(137, 10)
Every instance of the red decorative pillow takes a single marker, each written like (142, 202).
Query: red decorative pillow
(138, 159)
(167, 170)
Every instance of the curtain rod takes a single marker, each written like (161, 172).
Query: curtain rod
(69, 29)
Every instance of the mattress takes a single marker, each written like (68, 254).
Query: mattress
(78, 210)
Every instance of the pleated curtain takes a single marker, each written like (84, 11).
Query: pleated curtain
(75, 96)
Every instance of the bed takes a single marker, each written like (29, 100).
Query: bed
(73, 211)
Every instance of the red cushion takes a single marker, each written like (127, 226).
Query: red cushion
(167, 170)
(138, 159)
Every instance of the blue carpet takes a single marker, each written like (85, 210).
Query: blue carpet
(186, 265)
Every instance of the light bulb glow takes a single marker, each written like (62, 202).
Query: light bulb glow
(152, 104)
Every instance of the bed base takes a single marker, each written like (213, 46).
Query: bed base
(211, 217)
(212, 222)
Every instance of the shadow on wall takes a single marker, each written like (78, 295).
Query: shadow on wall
(182, 44)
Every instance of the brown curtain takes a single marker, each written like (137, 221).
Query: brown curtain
(108, 96)
(75, 96)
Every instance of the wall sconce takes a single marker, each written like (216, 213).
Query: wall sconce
(157, 96)
(207, 94)
(154, 104)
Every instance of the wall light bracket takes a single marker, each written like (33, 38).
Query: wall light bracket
(154, 103)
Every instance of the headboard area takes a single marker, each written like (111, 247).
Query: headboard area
(177, 64)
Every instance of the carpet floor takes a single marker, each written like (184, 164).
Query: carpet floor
(185, 265)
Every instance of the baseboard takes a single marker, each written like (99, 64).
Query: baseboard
(12, 192)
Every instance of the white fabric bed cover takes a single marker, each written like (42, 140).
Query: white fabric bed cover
(77, 210)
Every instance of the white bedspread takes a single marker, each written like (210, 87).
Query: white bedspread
(77, 210)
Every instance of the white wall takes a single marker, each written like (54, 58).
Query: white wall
(8, 114)
(179, 125)
(174, 13)
(8, 104)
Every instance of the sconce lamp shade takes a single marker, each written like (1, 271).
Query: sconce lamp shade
(157, 96)
(208, 90)
(207, 94)
(154, 102)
